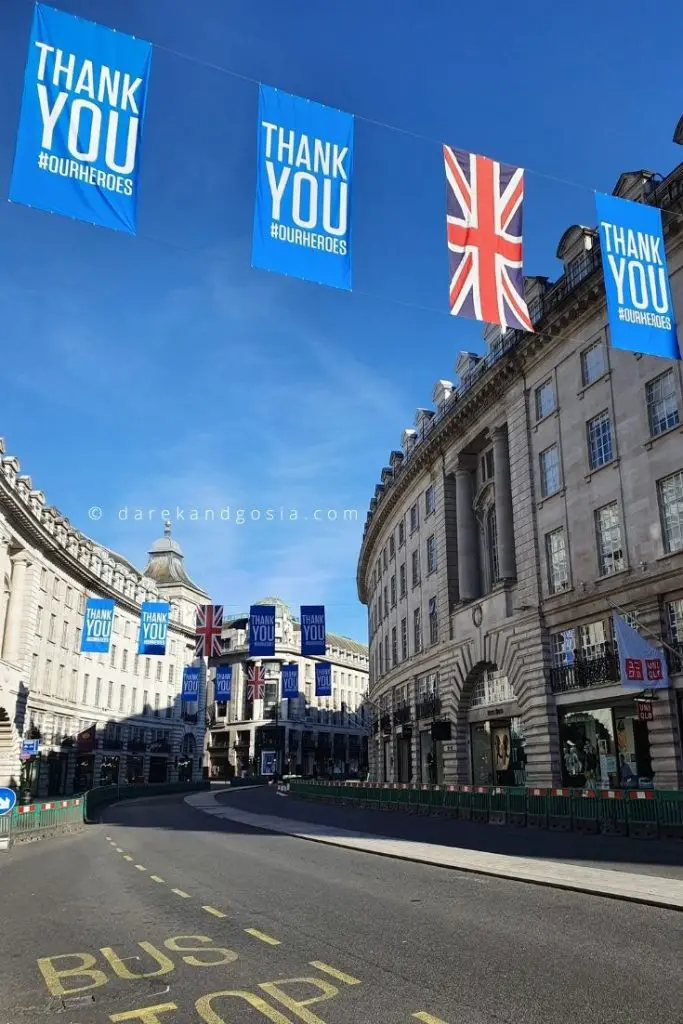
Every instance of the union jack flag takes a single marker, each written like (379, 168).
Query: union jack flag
(256, 683)
(484, 224)
(208, 630)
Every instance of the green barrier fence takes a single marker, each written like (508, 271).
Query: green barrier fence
(40, 820)
(641, 814)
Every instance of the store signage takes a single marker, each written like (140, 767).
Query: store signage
(645, 711)
(495, 712)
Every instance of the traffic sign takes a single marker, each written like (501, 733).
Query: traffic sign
(8, 799)
(29, 748)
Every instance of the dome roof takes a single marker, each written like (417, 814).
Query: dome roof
(165, 565)
(280, 605)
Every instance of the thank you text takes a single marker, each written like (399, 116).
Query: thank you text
(190, 690)
(97, 625)
(153, 627)
(302, 223)
(80, 130)
(323, 679)
(313, 629)
(641, 314)
(261, 630)
(290, 681)
(223, 691)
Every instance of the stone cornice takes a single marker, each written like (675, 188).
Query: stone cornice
(94, 566)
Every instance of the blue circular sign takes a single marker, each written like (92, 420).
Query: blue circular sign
(8, 799)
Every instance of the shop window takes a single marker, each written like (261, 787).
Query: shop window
(605, 748)
(491, 688)
(498, 753)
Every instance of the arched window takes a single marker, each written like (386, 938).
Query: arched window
(492, 548)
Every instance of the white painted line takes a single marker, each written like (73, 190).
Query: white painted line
(179, 892)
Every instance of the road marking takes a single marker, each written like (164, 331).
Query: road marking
(155, 878)
(119, 850)
(262, 936)
(339, 975)
(140, 867)
(127, 856)
(108, 838)
(179, 892)
(427, 1018)
(216, 913)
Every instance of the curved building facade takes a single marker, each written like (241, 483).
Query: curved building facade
(99, 718)
(541, 490)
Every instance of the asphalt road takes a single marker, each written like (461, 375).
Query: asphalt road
(163, 906)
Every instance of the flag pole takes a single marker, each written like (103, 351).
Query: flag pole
(624, 613)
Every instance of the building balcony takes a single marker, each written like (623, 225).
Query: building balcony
(385, 723)
(428, 707)
(402, 714)
(137, 746)
(220, 746)
(674, 657)
(111, 741)
(160, 747)
(584, 674)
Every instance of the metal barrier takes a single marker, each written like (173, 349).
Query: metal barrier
(641, 814)
(41, 820)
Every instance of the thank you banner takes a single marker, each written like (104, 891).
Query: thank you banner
(153, 627)
(190, 683)
(302, 217)
(313, 629)
(80, 128)
(290, 681)
(641, 313)
(261, 630)
(223, 683)
(98, 623)
(323, 679)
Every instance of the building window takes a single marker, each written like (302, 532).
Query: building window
(86, 687)
(158, 673)
(122, 699)
(133, 700)
(147, 667)
(171, 675)
(112, 657)
(34, 669)
(39, 620)
(491, 535)
(124, 660)
(67, 599)
(145, 702)
(110, 696)
(380, 654)
(43, 578)
(600, 440)
(486, 466)
(60, 681)
(98, 691)
(556, 557)
(402, 583)
(386, 651)
(415, 566)
(608, 531)
(414, 518)
(169, 708)
(81, 604)
(404, 639)
(394, 646)
(56, 587)
(430, 500)
(662, 403)
(550, 471)
(545, 399)
(53, 627)
(670, 495)
(384, 559)
(65, 631)
(401, 534)
(417, 631)
(431, 554)
(157, 702)
(593, 363)
(77, 639)
(433, 622)
(379, 608)
(392, 547)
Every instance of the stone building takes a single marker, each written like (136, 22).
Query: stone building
(312, 734)
(99, 718)
(540, 491)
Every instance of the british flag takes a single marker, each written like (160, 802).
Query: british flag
(256, 683)
(484, 223)
(208, 630)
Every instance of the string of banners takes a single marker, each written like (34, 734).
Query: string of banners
(78, 153)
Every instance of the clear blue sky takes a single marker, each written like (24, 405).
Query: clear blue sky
(161, 371)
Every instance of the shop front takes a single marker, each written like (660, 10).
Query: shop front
(497, 742)
(606, 747)
(404, 760)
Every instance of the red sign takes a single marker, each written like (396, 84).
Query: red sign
(645, 712)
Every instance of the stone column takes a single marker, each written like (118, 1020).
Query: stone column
(469, 580)
(504, 524)
(15, 608)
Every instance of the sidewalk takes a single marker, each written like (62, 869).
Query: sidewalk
(651, 889)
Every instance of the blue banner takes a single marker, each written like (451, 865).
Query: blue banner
(323, 679)
(80, 128)
(290, 681)
(153, 627)
(302, 217)
(313, 640)
(261, 630)
(98, 623)
(190, 683)
(223, 683)
(641, 313)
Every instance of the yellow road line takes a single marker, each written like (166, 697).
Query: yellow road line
(427, 1018)
(348, 979)
(127, 856)
(140, 867)
(179, 892)
(155, 878)
(262, 936)
(216, 913)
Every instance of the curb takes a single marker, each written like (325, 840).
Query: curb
(511, 868)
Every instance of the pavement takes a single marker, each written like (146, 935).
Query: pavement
(162, 913)
(646, 888)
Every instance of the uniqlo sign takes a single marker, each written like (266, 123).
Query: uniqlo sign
(645, 711)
